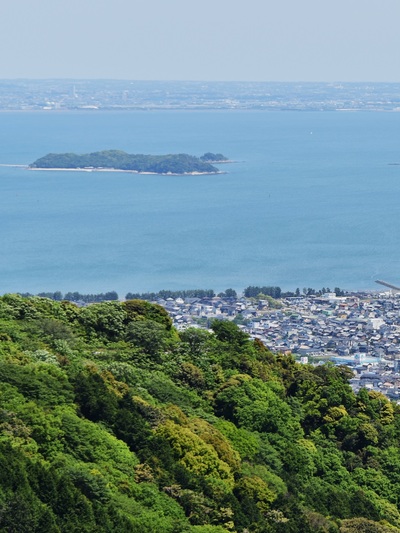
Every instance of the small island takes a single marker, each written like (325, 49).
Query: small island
(209, 157)
(118, 160)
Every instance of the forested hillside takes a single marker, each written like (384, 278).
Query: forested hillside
(111, 421)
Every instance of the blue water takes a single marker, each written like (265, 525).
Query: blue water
(312, 202)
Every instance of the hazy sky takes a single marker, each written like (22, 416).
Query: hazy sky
(258, 40)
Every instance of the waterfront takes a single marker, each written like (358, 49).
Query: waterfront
(312, 202)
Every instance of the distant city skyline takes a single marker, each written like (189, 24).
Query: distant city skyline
(68, 94)
(218, 40)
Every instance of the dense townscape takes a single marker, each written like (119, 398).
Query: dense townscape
(361, 330)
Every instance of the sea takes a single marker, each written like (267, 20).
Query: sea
(311, 200)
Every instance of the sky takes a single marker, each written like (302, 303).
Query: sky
(225, 40)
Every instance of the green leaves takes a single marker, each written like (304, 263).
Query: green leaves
(196, 455)
(151, 337)
(110, 421)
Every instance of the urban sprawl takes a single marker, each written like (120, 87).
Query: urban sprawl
(361, 330)
(91, 95)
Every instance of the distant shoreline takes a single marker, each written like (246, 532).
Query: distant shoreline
(14, 166)
(27, 167)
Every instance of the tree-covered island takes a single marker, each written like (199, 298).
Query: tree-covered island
(122, 161)
(210, 157)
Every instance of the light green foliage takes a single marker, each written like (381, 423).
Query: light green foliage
(150, 511)
(276, 485)
(272, 302)
(208, 529)
(211, 435)
(195, 455)
(13, 429)
(329, 460)
(9, 351)
(44, 383)
(199, 341)
(299, 459)
(165, 390)
(13, 305)
(367, 434)
(376, 481)
(125, 372)
(93, 483)
(110, 421)
(229, 332)
(90, 442)
(318, 522)
(245, 442)
(362, 525)
(43, 356)
(253, 404)
(375, 405)
(255, 490)
(192, 375)
(334, 414)
(45, 428)
(150, 336)
(141, 310)
(106, 320)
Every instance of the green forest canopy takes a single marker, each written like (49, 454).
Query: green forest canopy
(120, 160)
(111, 420)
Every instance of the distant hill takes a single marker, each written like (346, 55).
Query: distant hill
(120, 160)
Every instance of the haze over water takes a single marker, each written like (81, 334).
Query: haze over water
(312, 201)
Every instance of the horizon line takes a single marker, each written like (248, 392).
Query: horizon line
(330, 82)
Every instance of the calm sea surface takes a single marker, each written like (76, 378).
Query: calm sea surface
(312, 201)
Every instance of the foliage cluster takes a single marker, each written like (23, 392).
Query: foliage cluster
(276, 292)
(76, 296)
(112, 421)
(164, 294)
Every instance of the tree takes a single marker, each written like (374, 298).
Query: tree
(229, 293)
(150, 336)
(140, 310)
(229, 332)
(105, 320)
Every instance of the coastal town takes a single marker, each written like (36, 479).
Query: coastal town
(359, 329)
(55, 95)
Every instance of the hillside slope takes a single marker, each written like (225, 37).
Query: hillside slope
(111, 421)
